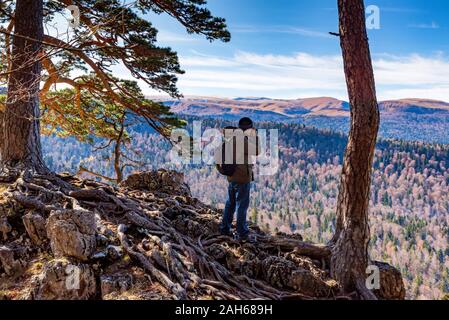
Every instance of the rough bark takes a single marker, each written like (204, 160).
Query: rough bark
(349, 258)
(118, 168)
(21, 132)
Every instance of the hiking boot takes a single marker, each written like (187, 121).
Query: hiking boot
(249, 238)
(226, 233)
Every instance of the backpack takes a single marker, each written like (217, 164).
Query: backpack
(226, 169)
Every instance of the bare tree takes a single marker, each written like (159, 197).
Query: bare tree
(349, 258)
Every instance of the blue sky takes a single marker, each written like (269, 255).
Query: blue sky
(281, 49)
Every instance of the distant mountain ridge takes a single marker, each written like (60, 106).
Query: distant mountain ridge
(418, 106)
(407, 119)
(268, 109)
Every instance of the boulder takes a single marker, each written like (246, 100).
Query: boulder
(118, 283)
(170, 182)
(35, 226)
(114, 252)
(110, 253)
(282, 273)
(5, 228)
(11, 264)
(391, 283)
(72, 233)
(64, 280)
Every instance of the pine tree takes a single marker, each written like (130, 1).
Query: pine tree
(110, 33)
(349, 258)
(20, 130)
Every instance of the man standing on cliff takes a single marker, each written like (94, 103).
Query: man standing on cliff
(245, 149)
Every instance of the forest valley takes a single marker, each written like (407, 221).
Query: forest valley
(146, 236)
(409, 192)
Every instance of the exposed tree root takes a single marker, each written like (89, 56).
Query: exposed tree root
(170, 235)
(362, 290)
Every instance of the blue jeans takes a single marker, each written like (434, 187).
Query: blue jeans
(238, 198)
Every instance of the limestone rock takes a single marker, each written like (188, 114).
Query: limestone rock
(63, 280)
(115, 283)
(283, 273)
(110, 253)
(35, 226)
(11, 264)
(101, 240)
(5, 228)
(72, 233)
(170, 182)
(391, 283)
(114, 252)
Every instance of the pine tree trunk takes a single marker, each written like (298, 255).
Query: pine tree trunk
(117, 151)
(21, 132)
(117, 165)
(349, 258)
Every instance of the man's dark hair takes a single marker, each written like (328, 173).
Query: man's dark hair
(246, 123)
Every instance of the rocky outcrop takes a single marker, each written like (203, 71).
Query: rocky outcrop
(5, 228)
(65, 280)
(115, 283)
(72, 233)
(35, 226)
(170, 182)
(10, 261)
(148, 238)
(283, 273)
(391, 283)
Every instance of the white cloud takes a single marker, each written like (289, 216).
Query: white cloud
(206, 61)
(435, 93)
(305, 75)
(432, 25)
(268, 75)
